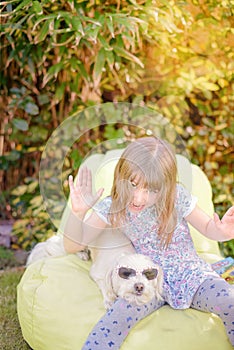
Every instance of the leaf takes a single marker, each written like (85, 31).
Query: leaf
(91, 33)
(104, 42)
(74, 63)
(125, 54)
(221, 126)
(13, 156)
(128, 22)
(22, 4)
(109, 23)
(77, 159)
(43, 32)
(31, 108)
(83, 71)
(20, 190)
(48, 18)
(223, 82)
(20, 124)
(52, 72)
(99, 63)
(209, 122)
(77, 25)
(209, 86)
(32, 186)
(21, 223)
(36, 201)
(59, 92)
(37, 7)
(16, 91)
(43, 99)
(56, 68)
(211, 149)
(110, 58)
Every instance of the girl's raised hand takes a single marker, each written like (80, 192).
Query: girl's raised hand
(226, 224)
(81, 193)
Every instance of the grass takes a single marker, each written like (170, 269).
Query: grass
(7, 258)
(10, 332)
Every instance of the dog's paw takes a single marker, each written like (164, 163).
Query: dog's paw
(84, 254)
(108, 304)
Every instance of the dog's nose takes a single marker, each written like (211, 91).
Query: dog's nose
(139, 287)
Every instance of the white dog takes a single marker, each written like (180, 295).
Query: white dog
(50, 248)
(120, 272)
(116, 268)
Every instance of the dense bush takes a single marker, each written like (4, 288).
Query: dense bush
(59, 57)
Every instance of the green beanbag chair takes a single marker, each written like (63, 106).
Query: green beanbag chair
(58, 303)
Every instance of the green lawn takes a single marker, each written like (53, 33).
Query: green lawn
(10, 332)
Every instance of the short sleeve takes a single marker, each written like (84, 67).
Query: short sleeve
(102, 209)
(185, 201)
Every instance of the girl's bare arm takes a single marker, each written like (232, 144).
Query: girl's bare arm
(78, 232)
(216, 228)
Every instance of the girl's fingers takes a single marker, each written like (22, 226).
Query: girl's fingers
(230, 211)
(81, 177)
(71, 183)
(84, 176)
(216, 218)
(98, 194)
(89, 179)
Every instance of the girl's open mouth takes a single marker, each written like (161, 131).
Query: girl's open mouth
(136, 208)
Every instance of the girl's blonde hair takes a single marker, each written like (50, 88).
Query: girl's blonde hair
(153, 162)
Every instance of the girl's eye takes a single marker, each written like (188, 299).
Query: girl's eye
(154, 190)
(133, 184)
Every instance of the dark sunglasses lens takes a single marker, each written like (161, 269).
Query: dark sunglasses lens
(125, 272)
(150, 274)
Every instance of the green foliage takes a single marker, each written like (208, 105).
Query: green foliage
(59, 57)
(227, 248)
(33, 223)
(7, 258)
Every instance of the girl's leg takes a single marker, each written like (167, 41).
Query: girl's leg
(114, 326)
(217, 296)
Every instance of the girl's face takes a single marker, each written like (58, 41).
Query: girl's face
(142, 197)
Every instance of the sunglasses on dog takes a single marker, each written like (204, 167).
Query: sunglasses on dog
(127, 272)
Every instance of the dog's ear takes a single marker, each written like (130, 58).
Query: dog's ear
(158, 284)
(108, 291)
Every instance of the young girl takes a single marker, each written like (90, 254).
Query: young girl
(153, 211)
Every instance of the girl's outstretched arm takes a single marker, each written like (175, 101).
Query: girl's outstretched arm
(216, 228)
(114, 326)
(78, 232)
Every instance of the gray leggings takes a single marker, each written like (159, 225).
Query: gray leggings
(217, 296)
(214, 295)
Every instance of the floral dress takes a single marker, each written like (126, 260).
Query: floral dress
(184, 271)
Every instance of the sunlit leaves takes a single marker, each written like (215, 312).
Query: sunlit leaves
(176, 56)
(125, 54)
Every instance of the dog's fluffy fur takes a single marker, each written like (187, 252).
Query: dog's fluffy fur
(52, 247)
(109, 252)
(113, 250)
